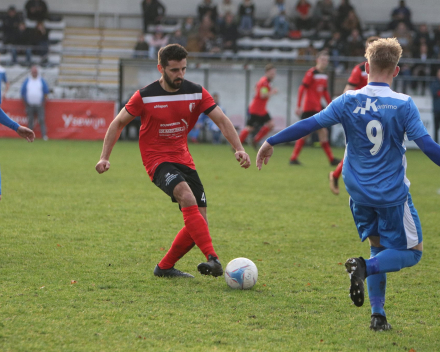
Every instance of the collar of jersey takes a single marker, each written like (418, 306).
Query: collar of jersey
(378, 84)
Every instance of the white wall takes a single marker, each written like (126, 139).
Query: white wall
(369, 10)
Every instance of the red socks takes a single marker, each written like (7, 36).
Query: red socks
(338, 169)
(297, 149)
(327, 150)
(243, 134)
(181, 245)
(198, 230)
(261, 133)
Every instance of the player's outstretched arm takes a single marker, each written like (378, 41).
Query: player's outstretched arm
(292, 133)
(429, 147)
(111, 137)
(225, 125)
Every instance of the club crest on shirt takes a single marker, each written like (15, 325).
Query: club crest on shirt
(192, 106)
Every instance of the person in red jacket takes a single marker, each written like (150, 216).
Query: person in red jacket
(313, 88)
(357, 80)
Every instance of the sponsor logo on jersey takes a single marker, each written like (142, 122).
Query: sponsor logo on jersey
(160, 106)
(367, 105)
(169, 124)
(192, 106)
(186, 123)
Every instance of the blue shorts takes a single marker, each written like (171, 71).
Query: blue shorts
(398, 226)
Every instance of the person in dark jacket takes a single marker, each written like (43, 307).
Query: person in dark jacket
(435, 90)
(10, 24)
(20, 43)
(153, 11)
(229, 33)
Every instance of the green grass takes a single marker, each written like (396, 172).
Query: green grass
(61, 221)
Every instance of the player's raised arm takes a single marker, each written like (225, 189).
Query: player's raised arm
(228, 130)
(111, 137)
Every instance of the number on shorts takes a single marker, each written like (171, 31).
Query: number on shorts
(377, 138)
(203, 198)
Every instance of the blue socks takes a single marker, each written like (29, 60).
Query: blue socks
(377, 285)
(381, 262)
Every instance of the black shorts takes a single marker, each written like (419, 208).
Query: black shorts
(258, 120)
(169, 175)
(307, 114)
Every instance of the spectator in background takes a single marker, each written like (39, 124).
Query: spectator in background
(40, 39)
(156, 41)
(350, 23)
(207, 35)
(336, 47)
(401, 14)
(3, 79)
(10, 24)
(226, 6)
(343, 11)
(178, 38)
(246, 13)
(36, 10)
(229, 33)
(324, 15)
(420, 69)
(278, 7)
(153, 12)
(189, 28)
(20, 43)
(303, 15)
(141, 50)
(424, 36)
(355, 44)
(435, 91)
(191, 32)
(404, 37)
(34, 93)
(216, 133)
(281, 25)
(207, 7)
(307, 54)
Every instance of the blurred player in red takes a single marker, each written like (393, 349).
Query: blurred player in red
(169, 109)
(313, 88)
(259, 117)
(357, 80)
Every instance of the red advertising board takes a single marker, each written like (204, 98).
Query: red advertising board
(65, 119)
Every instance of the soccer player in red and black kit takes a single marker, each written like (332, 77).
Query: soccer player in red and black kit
(259, 117)
(314, 85)
(357, 80)
(169, 109)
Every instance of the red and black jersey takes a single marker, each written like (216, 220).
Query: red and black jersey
(314, 84)
(258, 104)
(166, 119)
(358, 77)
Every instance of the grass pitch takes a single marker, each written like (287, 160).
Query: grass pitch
(78, 249)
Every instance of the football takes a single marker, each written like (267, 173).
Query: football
(241, 273)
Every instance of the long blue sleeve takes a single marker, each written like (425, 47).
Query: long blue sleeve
(429, 147)
(5, 120)
(296, 131)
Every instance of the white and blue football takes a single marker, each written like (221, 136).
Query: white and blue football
(241, 273)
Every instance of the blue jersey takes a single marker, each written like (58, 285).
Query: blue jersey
(375, 121)
(2, 79)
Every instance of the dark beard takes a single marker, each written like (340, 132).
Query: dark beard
(175, 85)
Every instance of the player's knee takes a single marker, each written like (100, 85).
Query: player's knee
(186, 199)
(417, 255)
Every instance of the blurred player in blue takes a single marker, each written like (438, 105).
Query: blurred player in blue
(375, 120)
(5, 80)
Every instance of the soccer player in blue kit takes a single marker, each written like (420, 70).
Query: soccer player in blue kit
(375, 120)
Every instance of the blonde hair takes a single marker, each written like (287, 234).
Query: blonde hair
(384, 54)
